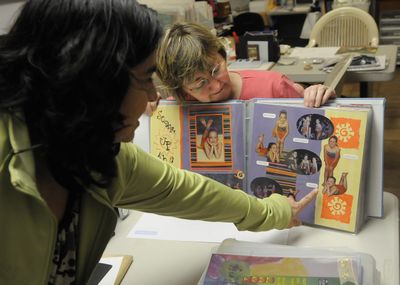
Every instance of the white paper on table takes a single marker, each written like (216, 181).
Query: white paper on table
(152, 226)
(314, 52)
(112, 274)
(142, 136)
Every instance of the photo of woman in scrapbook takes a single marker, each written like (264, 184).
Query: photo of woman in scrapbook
(211, 140)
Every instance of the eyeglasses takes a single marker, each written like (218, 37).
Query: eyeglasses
(199, 85)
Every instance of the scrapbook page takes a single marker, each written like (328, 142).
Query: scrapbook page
(294, 150)
(262, 148)
(204, 138)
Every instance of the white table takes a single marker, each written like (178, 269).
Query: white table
(182, 263)
(297, 73)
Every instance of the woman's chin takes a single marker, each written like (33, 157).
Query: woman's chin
(221, 96)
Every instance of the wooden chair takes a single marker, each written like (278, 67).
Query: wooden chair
(346, 26)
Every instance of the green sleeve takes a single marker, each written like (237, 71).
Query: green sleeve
(147, 184)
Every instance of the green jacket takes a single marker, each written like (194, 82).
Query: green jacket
(28, 227)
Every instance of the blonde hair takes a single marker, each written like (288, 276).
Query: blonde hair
(187, 48)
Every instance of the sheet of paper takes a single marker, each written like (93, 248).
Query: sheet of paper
(314, 52)
(111, 275)
(152, 226)
(142, 137)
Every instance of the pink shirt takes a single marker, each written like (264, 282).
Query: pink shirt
(266, 84)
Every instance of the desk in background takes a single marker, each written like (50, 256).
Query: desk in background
(297, 73)
(289, 24)
(288, 21)
(182, 263)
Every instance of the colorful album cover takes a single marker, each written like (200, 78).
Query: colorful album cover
(227, 269)
(295, 149)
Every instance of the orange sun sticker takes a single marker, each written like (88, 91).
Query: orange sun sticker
(347, 131)
(337, 207)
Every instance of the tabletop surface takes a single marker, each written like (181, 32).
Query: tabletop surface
(297, 73)
(182, 263)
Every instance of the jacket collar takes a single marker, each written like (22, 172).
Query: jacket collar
(20, 160)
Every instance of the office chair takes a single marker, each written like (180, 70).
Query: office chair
(346, 26)
(248, 22)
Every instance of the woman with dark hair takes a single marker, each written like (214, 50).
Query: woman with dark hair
(75, 76)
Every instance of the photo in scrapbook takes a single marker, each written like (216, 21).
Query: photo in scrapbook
(262, 147)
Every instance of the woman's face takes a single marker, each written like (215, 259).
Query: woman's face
(140, 92)
(212, 86)
(332, 142)
(330, 182)
(213, 137)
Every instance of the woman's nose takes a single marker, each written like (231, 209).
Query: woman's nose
(215, 84)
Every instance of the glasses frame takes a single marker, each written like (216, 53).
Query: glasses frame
(204, 82)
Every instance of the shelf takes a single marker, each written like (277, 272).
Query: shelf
(389, 28)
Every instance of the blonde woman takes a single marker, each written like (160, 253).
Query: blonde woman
(191, 63)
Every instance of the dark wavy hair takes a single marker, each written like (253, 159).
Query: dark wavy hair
(66, 64)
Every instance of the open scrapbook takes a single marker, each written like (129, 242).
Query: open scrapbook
(265, 146)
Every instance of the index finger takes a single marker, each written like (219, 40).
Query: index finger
(329, 93)
(307, 199)
(319, 97)
(309, 96)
